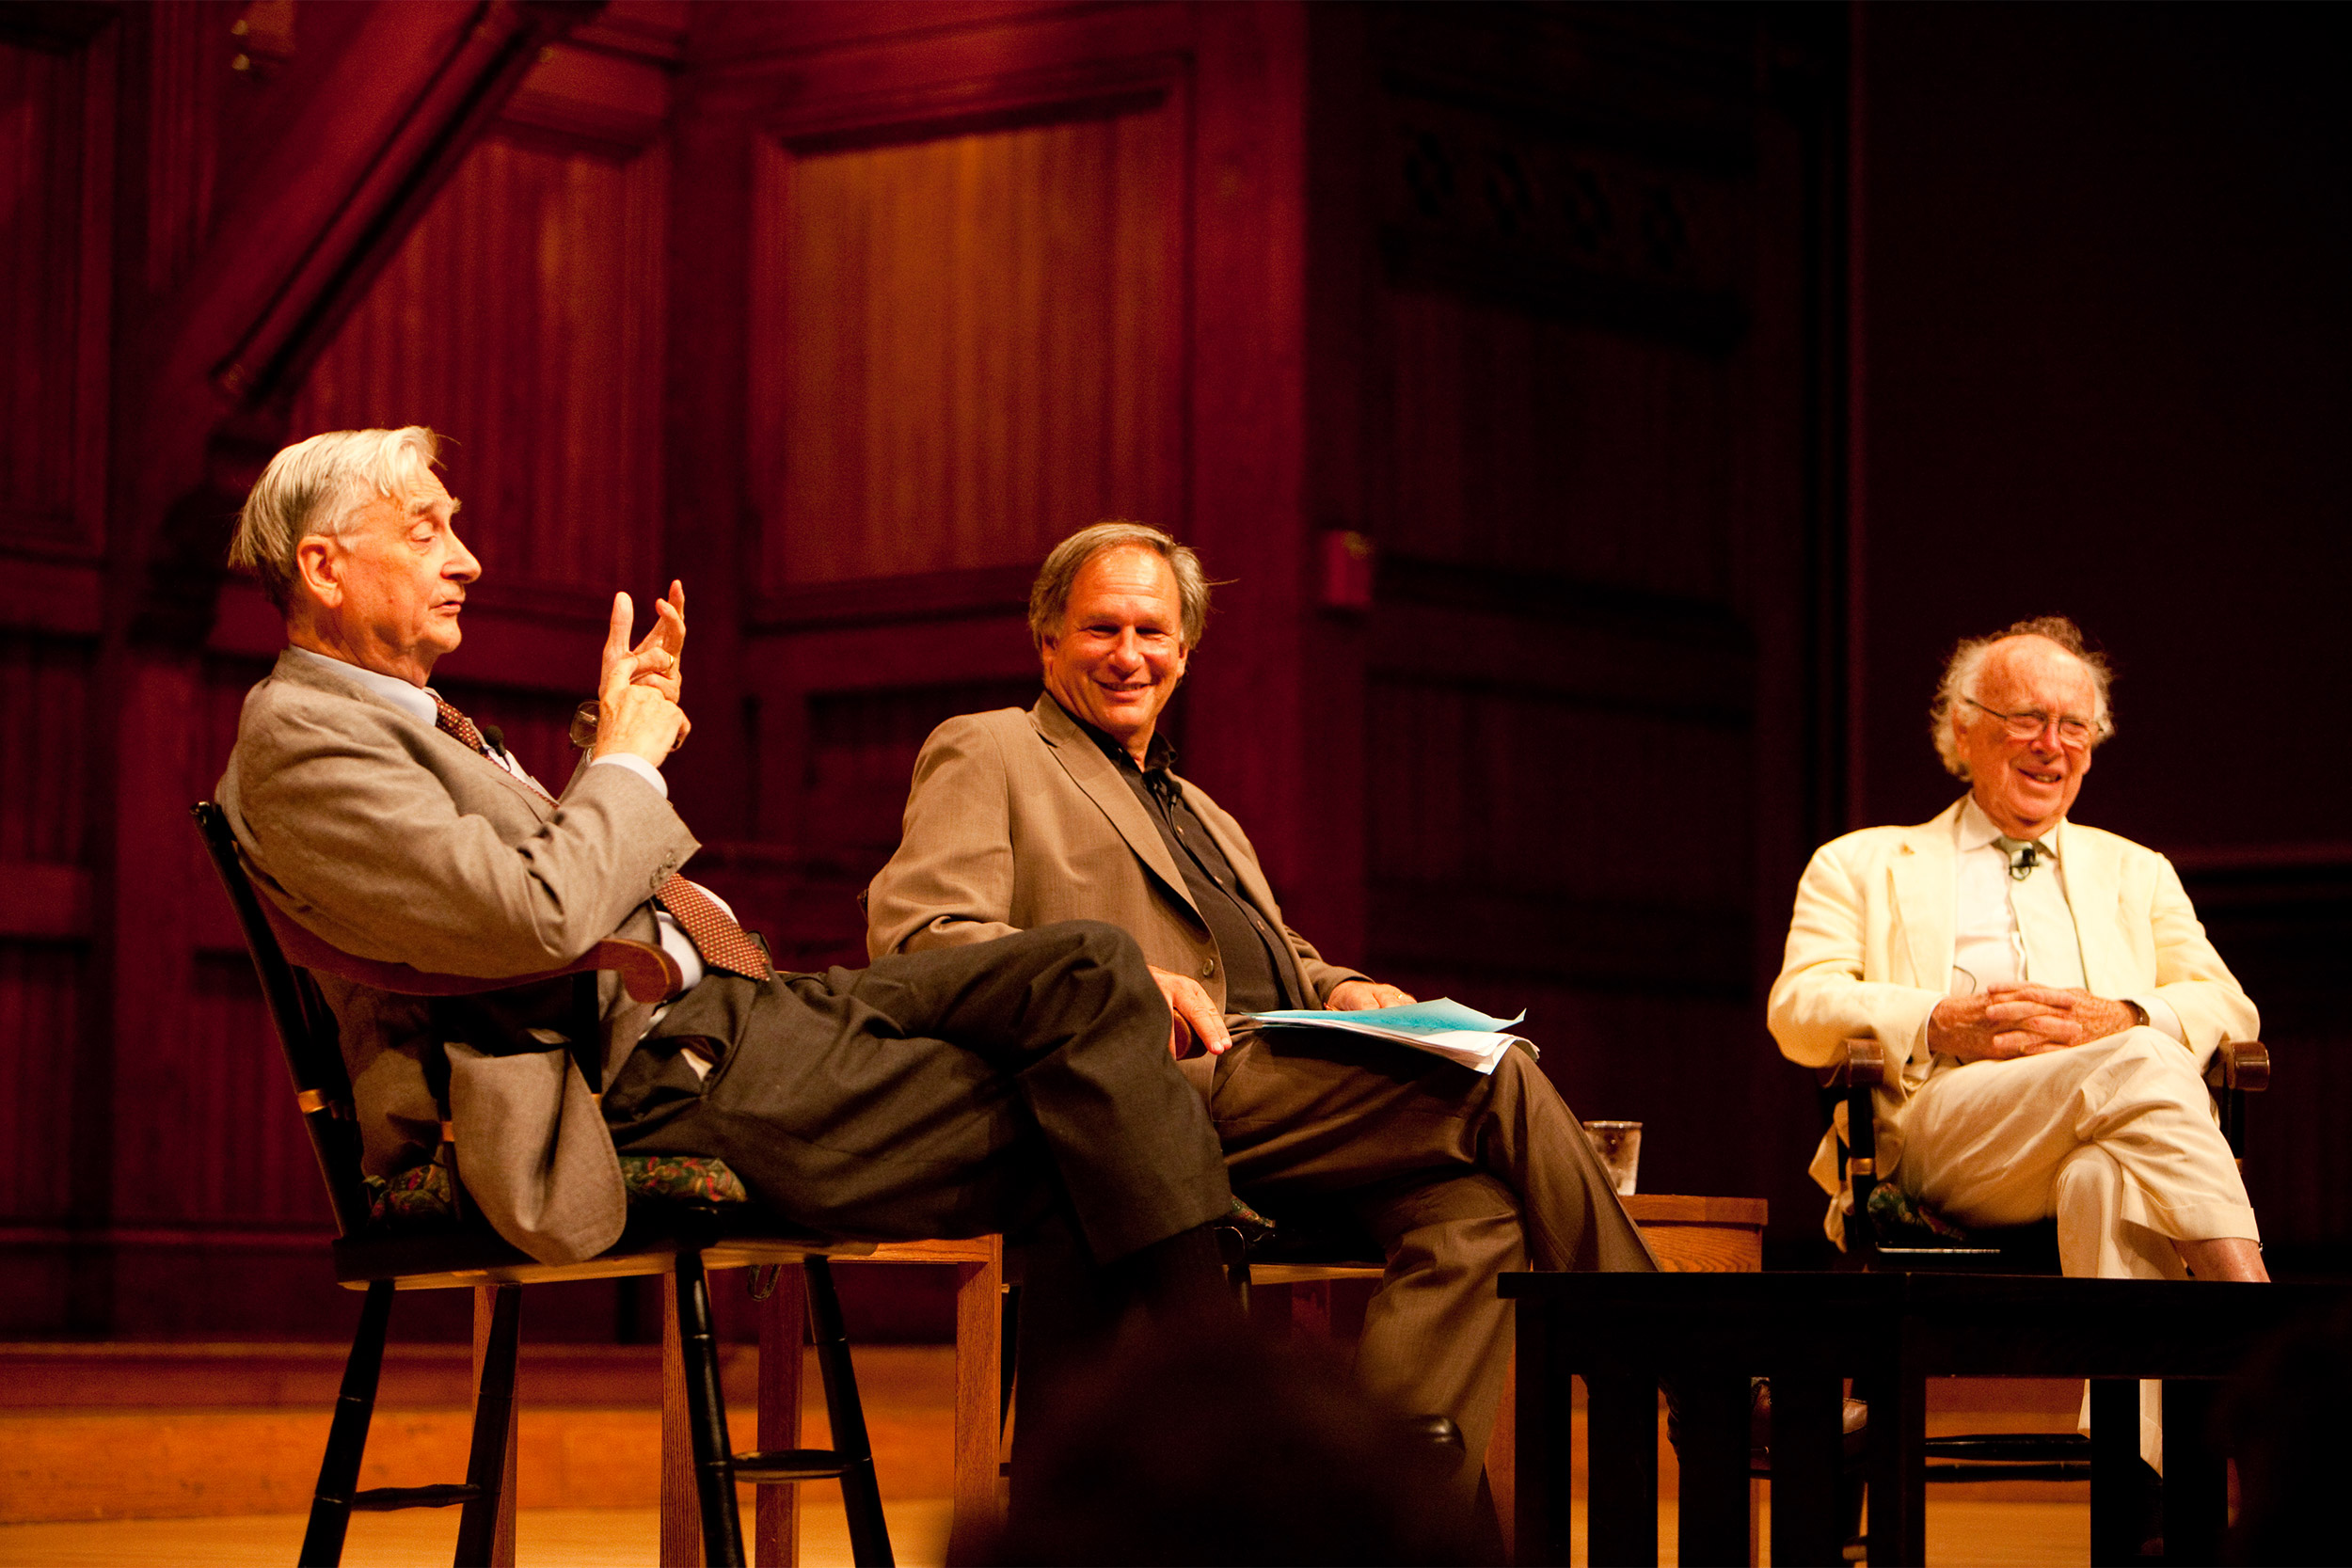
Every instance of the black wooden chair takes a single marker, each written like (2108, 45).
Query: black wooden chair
(1886, 1232)
(685, 1217)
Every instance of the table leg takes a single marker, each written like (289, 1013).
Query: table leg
(2196, 1476)
(1808, 1436)
(1897, 1396)
(1545, 1458)
(2115, 1492)
(1712, 1449)
(1621, 1474)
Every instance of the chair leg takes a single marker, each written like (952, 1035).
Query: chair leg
(980, 1431)
(347, 1439)
(485, 1528)
(776, 1510)
(707, 1417)
(860, 1498)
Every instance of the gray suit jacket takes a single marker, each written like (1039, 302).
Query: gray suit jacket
(396, 842)
(1017, 820)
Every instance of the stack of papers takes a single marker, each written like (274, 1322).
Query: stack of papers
(1443, 1028)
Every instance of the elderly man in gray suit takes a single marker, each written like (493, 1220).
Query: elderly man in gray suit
(1020, 1085)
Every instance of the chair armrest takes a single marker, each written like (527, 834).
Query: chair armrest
(647, 973)
(1864, 1066)
(2240, 1065)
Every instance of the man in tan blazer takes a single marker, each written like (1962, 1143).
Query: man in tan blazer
(2044, 987)
(1019, 1086)
(1071, 810)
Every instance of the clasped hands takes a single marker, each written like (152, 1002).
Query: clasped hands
(1191, 1012)
(637, 689)
(2006, 1022)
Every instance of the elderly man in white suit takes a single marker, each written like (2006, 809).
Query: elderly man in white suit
(2045, 992)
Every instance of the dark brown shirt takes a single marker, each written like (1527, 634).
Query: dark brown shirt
(1261, 971)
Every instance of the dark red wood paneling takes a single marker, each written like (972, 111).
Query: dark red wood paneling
(41, 1031)
(523, 320)
(57, 135)
(966, 346)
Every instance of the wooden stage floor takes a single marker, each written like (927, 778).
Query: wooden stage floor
(205, 1455)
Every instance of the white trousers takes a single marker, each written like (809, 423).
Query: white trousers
(2116, 1139)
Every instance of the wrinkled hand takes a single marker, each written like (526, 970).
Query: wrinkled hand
(2100, 1017)
(654, 660)
(1190, 1012)
(2008, 1021)
(1355, 996)
(638, 716)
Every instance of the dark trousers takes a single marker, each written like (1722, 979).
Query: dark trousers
(1458, 1176)
(1003, 1085)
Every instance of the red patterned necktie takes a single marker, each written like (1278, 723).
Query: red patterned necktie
(721, 942)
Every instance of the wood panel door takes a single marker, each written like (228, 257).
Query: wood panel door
(972, 242)
(1583, 433)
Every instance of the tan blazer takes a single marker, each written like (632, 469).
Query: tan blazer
(1872, 941)
(1017, 820)
(394, 841)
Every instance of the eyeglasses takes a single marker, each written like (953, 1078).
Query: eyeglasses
(2072, 732)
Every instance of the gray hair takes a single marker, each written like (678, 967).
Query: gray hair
(1049, 596)
(1967, 662)
(318, 486)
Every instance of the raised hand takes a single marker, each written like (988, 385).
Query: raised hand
(636, 690)
(654, 660)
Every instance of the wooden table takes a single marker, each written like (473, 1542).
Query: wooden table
(1685, 1234)
(1709, 1334)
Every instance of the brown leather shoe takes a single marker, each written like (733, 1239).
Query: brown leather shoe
(1855, 1421)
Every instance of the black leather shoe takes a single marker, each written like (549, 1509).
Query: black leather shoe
(1437, 1431)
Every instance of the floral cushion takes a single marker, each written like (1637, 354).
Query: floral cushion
(1900, 1219)
(422, 1192)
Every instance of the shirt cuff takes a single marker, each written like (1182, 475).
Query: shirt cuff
(2161, 1016)
(637, 766)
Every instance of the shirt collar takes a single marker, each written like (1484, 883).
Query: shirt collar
(1157, 757)
(415, 701)
(1974, 831)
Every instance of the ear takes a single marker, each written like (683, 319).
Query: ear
(318, 569)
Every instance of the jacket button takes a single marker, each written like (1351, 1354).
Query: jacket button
(1208, 969)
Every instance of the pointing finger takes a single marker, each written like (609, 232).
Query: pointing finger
(616, 636)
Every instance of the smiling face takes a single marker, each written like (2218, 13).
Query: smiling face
(2026, 786)
(385, 594)
(1120, 652)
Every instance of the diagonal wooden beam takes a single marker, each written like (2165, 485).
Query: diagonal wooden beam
(314, 215)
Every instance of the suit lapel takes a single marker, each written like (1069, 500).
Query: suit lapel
(1924, 896)
(302, 672)
(1098, 777)
(2094, 875)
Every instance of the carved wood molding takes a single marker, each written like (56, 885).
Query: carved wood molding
(1083, 91)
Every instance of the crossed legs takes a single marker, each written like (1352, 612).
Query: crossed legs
(1459, 1176)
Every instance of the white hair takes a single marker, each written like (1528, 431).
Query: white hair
(318, 486)
(1967, 662)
